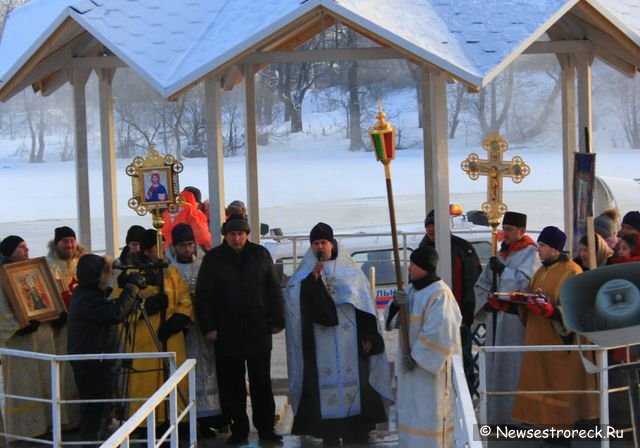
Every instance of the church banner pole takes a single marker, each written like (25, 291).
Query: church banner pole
(383, 140)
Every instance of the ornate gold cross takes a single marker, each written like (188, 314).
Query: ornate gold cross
(495, 168)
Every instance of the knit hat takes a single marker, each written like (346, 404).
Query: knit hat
(89, 270)
(9, 244)
(235, 223)
(182, 233)
(429, 219)
(554, 237)
(196, 193)
(514, 219)
(426, 257)
(148, 240)
(63, 232)
(632, 219)
(321, 231)
(604, 226)
(134, 233)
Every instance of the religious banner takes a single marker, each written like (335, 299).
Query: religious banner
(583, 182)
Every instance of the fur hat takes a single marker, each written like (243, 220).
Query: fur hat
(9, 245)
(632, 219)
(134, 234)
(235, 223)
(181, 233)
(90, 269)
(149, 239)
(321, 231)
(554, 237)
(426, 257)
(514, 219)
(63, 232)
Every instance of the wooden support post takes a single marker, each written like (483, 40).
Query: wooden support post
(569, 141)
(253, 200)
(425, 81)
(215, 156)
(108, 150)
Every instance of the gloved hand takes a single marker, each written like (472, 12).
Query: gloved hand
(494, 304)
(177, 322)
(60, 321)
(408, 363)
(543, 308)
(136, 279)
(155, 304)
(496, 265)
(401, 297)
(32, 326)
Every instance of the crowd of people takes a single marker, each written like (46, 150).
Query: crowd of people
(172, 291)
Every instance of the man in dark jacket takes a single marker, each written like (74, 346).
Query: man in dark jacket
(92, 328)
(465, 270)
(239, 305)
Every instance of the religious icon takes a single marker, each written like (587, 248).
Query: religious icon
(31, 290)
(154, 185)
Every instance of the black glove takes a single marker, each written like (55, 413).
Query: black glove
(174, 324)
(155, 304)
(60, 321)
(496, 265)
(408, 363)
(30, 328)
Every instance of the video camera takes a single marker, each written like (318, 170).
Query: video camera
(150, 274)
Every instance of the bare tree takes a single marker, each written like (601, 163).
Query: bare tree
(500, 96)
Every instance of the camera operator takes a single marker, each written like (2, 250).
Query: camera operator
(93, 328)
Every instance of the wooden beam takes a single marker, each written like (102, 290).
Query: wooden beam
(215, 156)
(585, 120)
(108, 150)
(559, 46)
(53, 83)
(334, 54)
(253, 193)
(606, 41)
(440, 171)
(83, 195)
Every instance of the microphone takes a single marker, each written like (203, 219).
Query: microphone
(320, 256)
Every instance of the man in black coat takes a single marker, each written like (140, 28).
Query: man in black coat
(93, 328)
(239, 305)
(465, 270)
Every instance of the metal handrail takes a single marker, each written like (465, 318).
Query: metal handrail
(56, 401)
(147, 412)
(603, 379)
(465, 425)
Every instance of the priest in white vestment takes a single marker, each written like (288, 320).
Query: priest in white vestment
(424, 399)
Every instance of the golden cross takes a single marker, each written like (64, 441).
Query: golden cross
(495, 169)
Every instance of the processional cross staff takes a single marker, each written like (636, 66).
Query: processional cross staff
(383, 138)
(495, 168)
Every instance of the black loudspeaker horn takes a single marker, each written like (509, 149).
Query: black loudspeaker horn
(603, 304)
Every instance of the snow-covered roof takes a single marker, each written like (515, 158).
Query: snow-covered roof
(173, 44)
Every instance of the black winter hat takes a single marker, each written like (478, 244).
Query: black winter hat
(9, 244)
(196, 193)
(321, 231)
(148, 240)
(134, 233)
(63, 232)
(632, 219)
(89, 270)
(554, 237)
(235, 223)
(426, 257)
(514, 219)
(430, 219)
(181, 233)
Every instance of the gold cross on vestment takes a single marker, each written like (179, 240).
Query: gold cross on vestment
(495, 169)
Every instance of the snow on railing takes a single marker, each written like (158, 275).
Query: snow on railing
(465, 426)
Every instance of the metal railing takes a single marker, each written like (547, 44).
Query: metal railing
(603, 379)
(56, 402)
(465, 430)
(148, 412)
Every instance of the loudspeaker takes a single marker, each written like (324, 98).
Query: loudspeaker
(603, 304)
